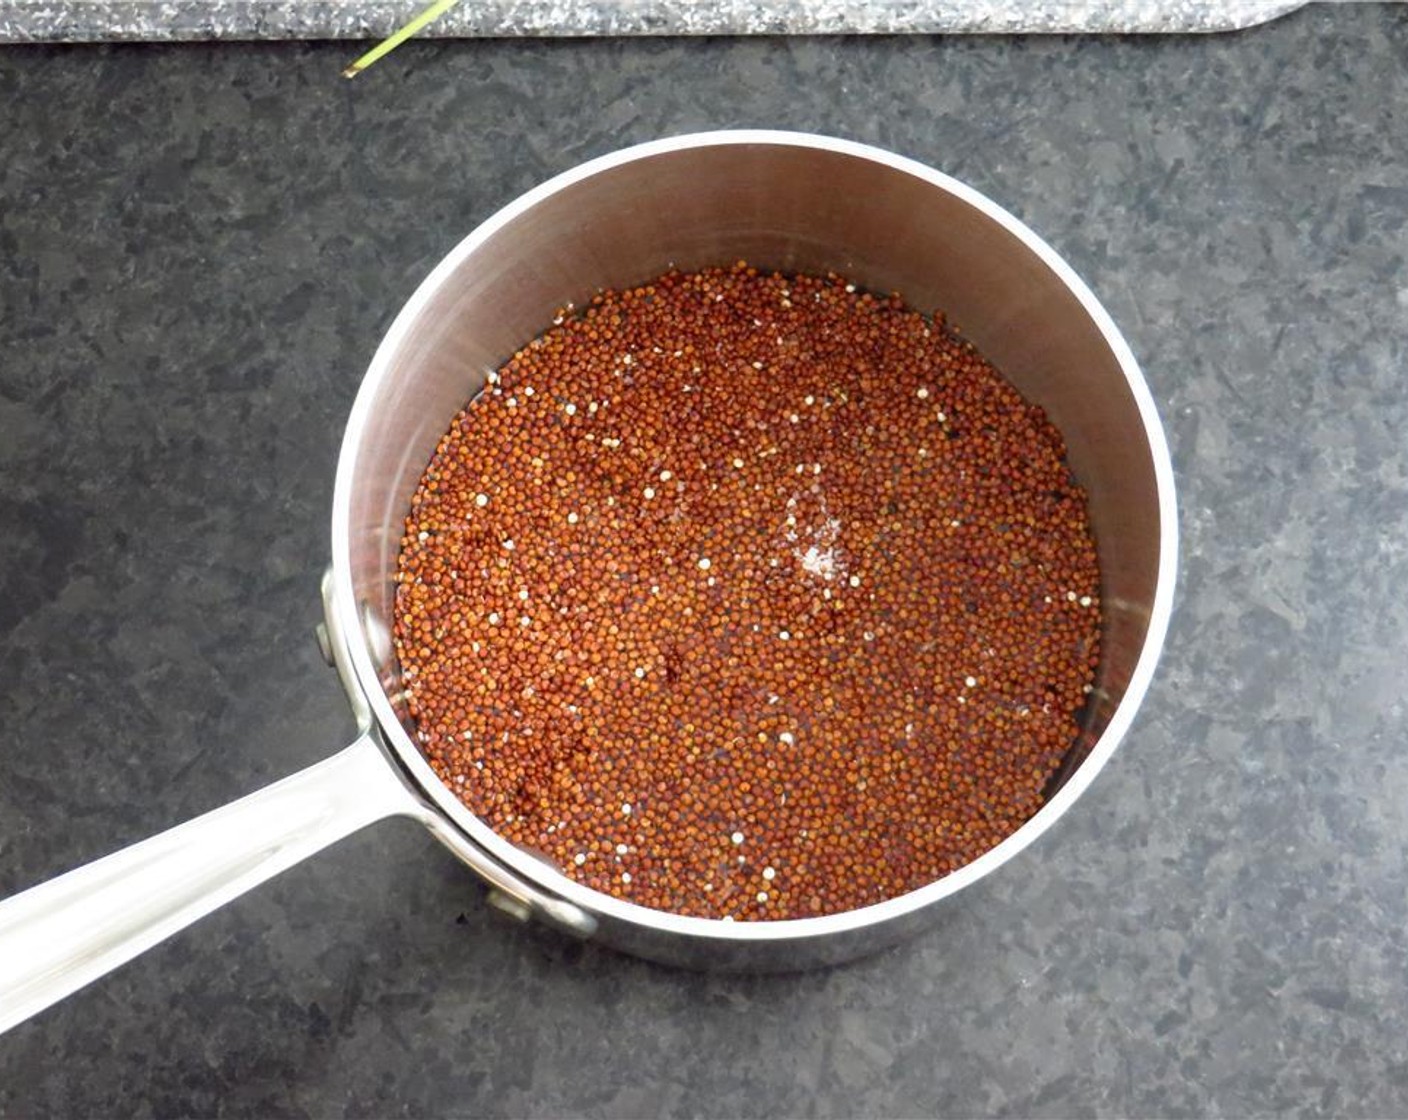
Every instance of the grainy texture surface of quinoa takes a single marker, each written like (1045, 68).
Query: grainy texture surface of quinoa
(748, 596)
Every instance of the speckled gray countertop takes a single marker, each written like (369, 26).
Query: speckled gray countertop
(98, 20)
(199, 249)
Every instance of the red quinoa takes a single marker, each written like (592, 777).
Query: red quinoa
(748, 596)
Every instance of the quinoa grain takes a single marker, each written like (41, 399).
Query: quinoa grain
(810, 433)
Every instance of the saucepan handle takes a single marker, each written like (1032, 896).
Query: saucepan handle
(65, 933)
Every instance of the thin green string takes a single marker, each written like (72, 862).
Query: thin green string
(386, 46)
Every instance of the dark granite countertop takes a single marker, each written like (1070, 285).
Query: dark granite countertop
(199, 249)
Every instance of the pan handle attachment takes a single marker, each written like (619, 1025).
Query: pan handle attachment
(65, 933)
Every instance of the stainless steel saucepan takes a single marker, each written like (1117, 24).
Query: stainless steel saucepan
(780, 200)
